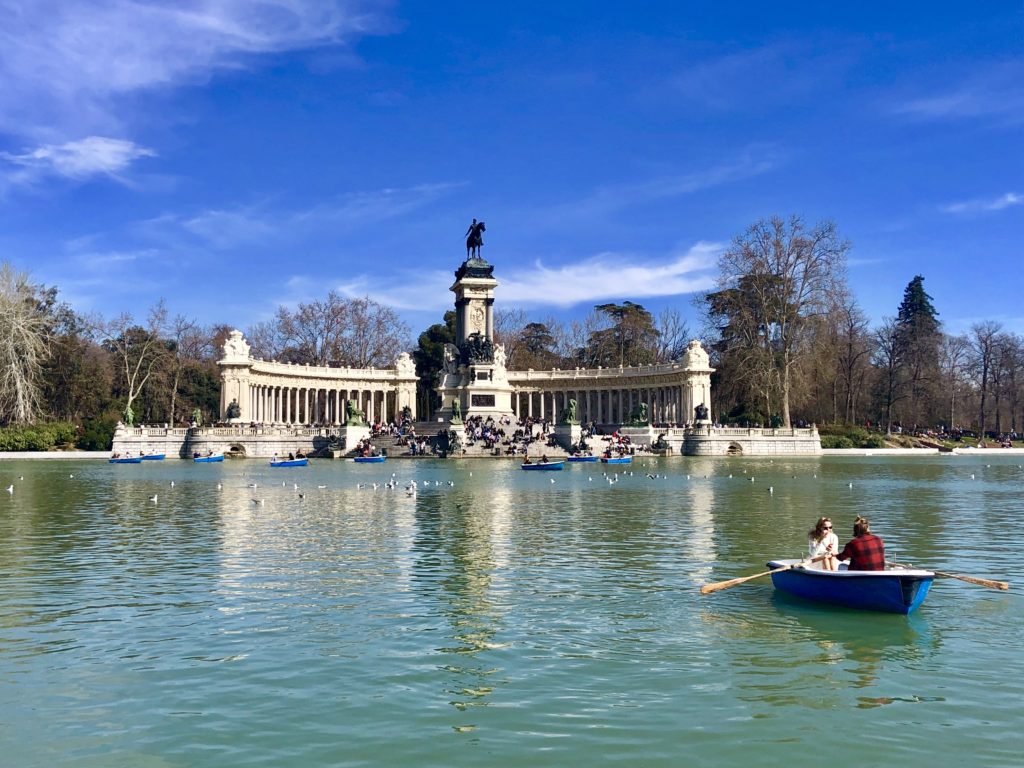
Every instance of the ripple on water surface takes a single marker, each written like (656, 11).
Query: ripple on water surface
(501, 619)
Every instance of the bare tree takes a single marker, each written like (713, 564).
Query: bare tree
(188, 343)
(985, 339)
(335, 331)
(954, 354)
(886, 356)
(853, 354)
(137, 350)
(24, 332)
(786, 274)
(673, 335)
(375, 335)
(508, 331)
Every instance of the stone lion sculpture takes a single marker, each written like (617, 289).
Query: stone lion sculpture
(353, 416)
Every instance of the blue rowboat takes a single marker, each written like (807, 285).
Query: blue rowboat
(894, 590)
(616, 459)
(369, 459)
(290, 463)
(543, 465)
(208, 459)
(582, 458)
(126, 460)
(154, 457)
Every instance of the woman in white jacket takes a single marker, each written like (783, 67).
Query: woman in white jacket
(822, 541)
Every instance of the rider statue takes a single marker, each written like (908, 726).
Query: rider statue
(474, 238)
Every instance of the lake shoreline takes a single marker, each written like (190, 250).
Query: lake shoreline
(970, 451)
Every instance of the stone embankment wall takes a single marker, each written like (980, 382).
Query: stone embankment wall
(264, 442)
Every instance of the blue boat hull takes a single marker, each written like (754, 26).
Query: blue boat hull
(617, 460)
(369, 459)
(546, 466)
(128, 460)
(290, 463)
(154, 457)
(582, 458)
(892, 591)
(207, 459)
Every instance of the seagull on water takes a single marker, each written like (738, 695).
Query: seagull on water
(154, 497)
(10, 488)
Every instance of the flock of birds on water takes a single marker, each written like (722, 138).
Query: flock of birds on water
(413, 487)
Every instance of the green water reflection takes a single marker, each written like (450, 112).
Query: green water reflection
(495, 617)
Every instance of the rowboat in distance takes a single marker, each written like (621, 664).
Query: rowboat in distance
(369, 459)
(154, 457)
(543, 465)
(617, 459)
(290, 463)
(208, 459)
(894, 590)
(125, 460)
(582, 458)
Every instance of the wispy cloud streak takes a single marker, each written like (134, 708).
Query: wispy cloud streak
(995, 93)
(78, 160)
(1009, 200)
(64, 61)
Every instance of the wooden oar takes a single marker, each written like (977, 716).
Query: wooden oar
(990, 583)
(707, 589)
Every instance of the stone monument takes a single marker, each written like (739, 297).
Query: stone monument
(474, 381)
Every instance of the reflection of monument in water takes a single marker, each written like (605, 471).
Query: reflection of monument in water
(456, 555)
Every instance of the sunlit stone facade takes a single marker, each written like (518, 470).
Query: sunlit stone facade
(269, 392)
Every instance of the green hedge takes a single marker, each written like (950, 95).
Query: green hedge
(841, 436)
(97, 434)
(37, 437)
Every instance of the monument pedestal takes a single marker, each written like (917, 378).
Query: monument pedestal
(567, 435)
(350, 437)
(638, 435)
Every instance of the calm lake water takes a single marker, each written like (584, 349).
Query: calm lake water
(503, 620)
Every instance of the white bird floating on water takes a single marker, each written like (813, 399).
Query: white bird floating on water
(849, 485)
(220, 486)
(321, 486)
(154, 497)
(771, 489)
(10, 488)
(172, 483)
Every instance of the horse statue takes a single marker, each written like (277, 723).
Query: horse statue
(475, 238)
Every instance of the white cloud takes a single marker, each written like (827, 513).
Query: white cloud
(70, 62)
(603, 277)
(985, 206)
(610, 276)
(78, 160)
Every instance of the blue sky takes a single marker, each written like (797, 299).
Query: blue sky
(232, 156)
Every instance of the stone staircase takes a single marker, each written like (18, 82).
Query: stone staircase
(429, 429)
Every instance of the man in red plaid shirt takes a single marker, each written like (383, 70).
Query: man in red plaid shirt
(866, 552)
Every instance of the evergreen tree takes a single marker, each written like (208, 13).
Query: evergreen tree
(429, 357)
(919, 339)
